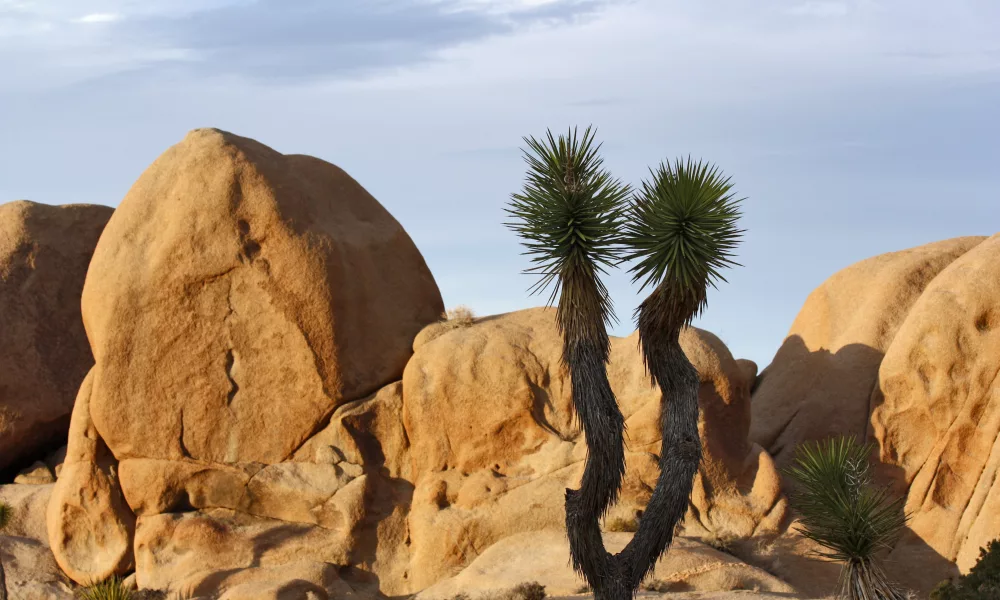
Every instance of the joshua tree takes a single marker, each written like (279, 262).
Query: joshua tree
(681, 229)
(843, 512)
(5, 515)
(681, 232)
(569, 215)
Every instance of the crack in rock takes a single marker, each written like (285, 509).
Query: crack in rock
(233, 386)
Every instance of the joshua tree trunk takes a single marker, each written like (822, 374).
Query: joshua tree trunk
(603, 427)
(617, 577)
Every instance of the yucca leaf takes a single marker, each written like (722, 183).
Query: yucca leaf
(568, 215)
(682, 225)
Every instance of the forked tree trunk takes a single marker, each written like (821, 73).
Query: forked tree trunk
(617, 577)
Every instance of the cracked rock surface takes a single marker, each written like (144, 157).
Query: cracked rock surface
(238, 296)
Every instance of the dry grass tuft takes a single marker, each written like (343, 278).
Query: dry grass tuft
(531, 590)
(460, 315)
(626, 524)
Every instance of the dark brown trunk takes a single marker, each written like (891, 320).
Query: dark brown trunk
(617, 577)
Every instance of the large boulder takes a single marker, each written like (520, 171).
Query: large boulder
(251, 314)
(937, 417)
(821, 379)
(44, 355)
(238, 296)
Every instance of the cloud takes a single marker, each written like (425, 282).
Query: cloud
(264, 40)
(99, 18)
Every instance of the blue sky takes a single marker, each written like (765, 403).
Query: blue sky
(852, 127)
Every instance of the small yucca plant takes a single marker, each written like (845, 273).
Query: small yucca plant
(841, 510)
(109, 589)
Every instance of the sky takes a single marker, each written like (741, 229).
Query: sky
(851, 127)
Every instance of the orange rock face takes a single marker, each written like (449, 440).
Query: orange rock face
(937, 415)
(821, 380)
(904, 349)
(44, 355)
(239, 296)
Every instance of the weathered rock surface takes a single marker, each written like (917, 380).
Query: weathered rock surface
(937, 416)
(238, 296)
(89, 525)
(688, 566)
(37, 474)
(44, 355)
(821, 379)
(31, 572)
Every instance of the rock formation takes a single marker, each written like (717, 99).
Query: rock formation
(936, 416)
(275, 408)
(902, 349)
(821, 379)
(237, 299)
(44, 355)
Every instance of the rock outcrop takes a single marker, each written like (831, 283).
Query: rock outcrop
(44, 355)
(936, 417)
(239, 303)
(821, 379)
(903, 349)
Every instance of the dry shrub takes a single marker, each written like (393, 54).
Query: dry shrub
(625, 524)
(460, 315)
(523, 591)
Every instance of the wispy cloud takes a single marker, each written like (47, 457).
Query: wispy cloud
(268, 40)
(99, 18)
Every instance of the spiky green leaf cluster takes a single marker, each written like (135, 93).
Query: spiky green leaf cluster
(109, 589)
(682, 225)
(6, 514)
(840, 508)
(568, 216)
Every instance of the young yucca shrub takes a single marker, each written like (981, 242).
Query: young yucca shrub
(981, 583)
(109, 589)
(841, 510)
